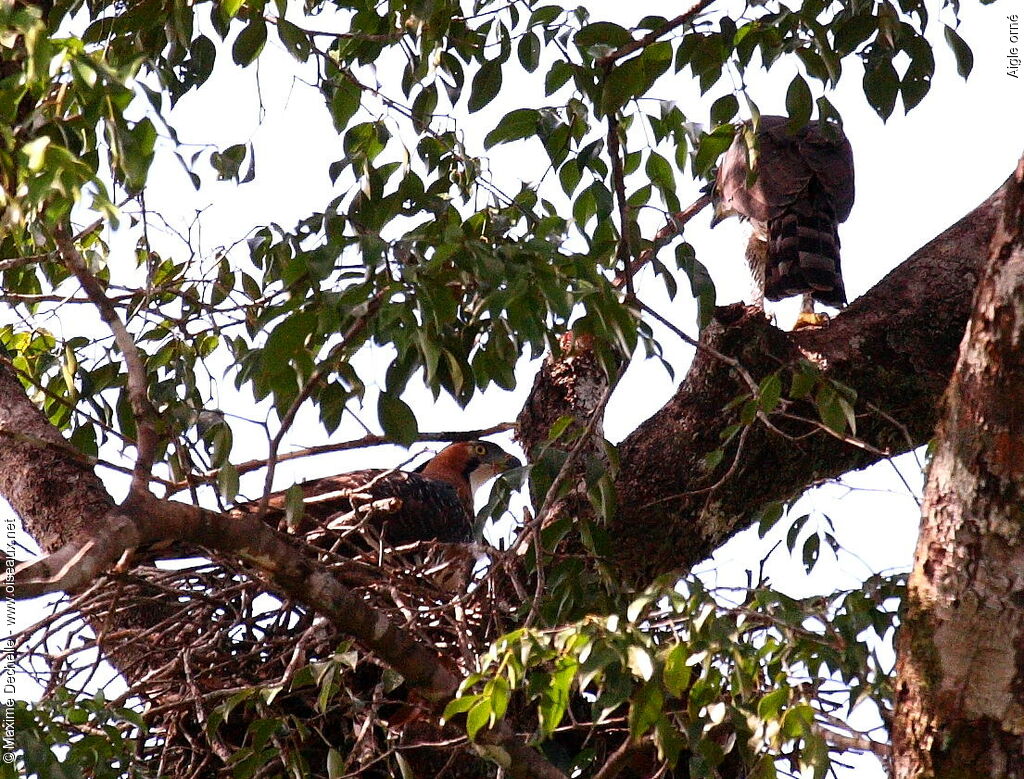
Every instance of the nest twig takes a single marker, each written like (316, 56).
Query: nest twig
(228, 636)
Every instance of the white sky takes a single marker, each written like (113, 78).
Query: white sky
(916, 175)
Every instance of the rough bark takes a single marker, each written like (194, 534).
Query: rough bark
(960, 690)
(49, 485)
(59, 497)
(573, 384)
(570, 384)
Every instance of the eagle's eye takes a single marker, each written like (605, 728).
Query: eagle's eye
(481, 449)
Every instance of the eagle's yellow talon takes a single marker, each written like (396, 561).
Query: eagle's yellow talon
(811, 319)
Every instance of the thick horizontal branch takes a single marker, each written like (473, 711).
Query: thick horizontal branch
(896, 346)
(148, 520)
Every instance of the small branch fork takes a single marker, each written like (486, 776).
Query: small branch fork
(672, 24)
(672, 228)
(138, 394)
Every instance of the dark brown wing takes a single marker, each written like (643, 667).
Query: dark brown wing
(425, 510)
(786, 166)
(803, 189)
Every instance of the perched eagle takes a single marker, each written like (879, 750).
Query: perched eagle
(434, 503)
(801, 190)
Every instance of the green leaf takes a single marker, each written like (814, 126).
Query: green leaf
(458, 706)
(851, 33)
(515, 125)
(799, 103)
(555, 696)
(712, 146)
(677, 672)
(603, 33)
(769, 707)
(423, 106)
(603, 202)
(770, 515)
(294, 39)
(645, 710)
(529, 51)
(557, 76)
(794, 531)
(634, 77)
(669, 740)
(713, 459)
(881, 85)
(227, 481)
(639, 662)
(917, 79)
(294, 507)
(724, 109)
(335, 764)
(137, 153)
(569, 176)
(499, 692)
(230, 7)
(770, 392)
(813, 64)
(811, 551)
(478, 718)
(798, 721)
(803, 382)
(397, 419)
(624, 82)
(228, 162)
(249, 42)
(659, 171)
(701, 285)
(815, 756)
(637, 606)
(961, 51)
(344, 103)
(831, 410)
(486, 85)
(559, 427)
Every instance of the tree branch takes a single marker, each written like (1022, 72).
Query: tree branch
(895, 346)
(624, 253)
(344, 446)
(653, 35)
(672, 228)
(138, 388)
(290, 571)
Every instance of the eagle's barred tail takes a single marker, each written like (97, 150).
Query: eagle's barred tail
(803, 256)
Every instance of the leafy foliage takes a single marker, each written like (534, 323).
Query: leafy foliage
(92, 738)
(700, 679)
(450, 276)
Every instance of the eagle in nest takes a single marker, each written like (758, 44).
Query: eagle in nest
(432, 503)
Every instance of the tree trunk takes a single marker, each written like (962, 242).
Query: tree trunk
(960, 685)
